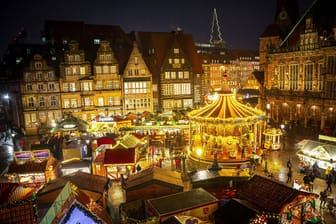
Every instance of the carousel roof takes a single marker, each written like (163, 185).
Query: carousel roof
(227, 108)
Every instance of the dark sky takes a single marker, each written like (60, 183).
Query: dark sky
(241, 21)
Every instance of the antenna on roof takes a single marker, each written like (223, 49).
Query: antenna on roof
(219, 33)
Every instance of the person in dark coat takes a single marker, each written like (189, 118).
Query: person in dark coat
(329, 182)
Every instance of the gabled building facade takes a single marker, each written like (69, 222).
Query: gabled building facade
(137, 84)
(40, 95)
(108, 82)
(175, 66)
(76, 83)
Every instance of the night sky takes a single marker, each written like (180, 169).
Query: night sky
(241, 21)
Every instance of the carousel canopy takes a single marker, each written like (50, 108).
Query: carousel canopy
(226, 108)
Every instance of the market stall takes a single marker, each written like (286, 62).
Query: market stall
(314, 152)
(196, 202)
(33, 167)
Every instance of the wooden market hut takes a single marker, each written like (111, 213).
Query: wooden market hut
(36, 166)
(274, 201)
(73, 205)
(152, 182)
(17, 203)
(196, 202)
(321, 153)
(94, 186)
(225, 130)
(120, 159)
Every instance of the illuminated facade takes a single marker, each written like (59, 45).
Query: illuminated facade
(299, 68)
(236, 66)
(137, 84)
(76, 82)
(108, 82)
(40, 95)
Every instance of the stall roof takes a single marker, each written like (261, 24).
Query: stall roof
(28, 167)
(85, 181)
(154, 173)
(77, 199)
(268, 195)
(119, 156)
(320, 150)
(182, 201)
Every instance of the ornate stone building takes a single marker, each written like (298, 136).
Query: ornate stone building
(298, 58)
(40, 95)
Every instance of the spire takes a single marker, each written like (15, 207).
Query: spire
(215, 22)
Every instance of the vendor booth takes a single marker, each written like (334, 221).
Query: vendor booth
(119, 159)
(197, 203)
(314, 152)
(33, 167)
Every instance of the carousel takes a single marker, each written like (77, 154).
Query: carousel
(226, 132)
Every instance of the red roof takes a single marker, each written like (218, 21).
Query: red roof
(105, 140)
(119, 156)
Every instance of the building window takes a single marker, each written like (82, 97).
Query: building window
(67, 71)
(98, 70)
(101, 101)
(53, 101)
(40, 86)
(29, 87)
(51, 86)
(39, 76)
(67, 103)
(136, 60)
(293, 76)
(65, 87)
(116, 84)
(38, 65)
(110, 100)
(82, 70)
(99, 85)
(113, 69)
(176, 50)
(96, 41)
(186, 75)
(308, 76)
(180, 75)
(173, 75)
(72, 87)
(50, 75)
(74, 103)
(42, 103)
(109, 85)
(282, 76)
(167, 75)
(105, 69)
(86, 86)
(31, 102)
